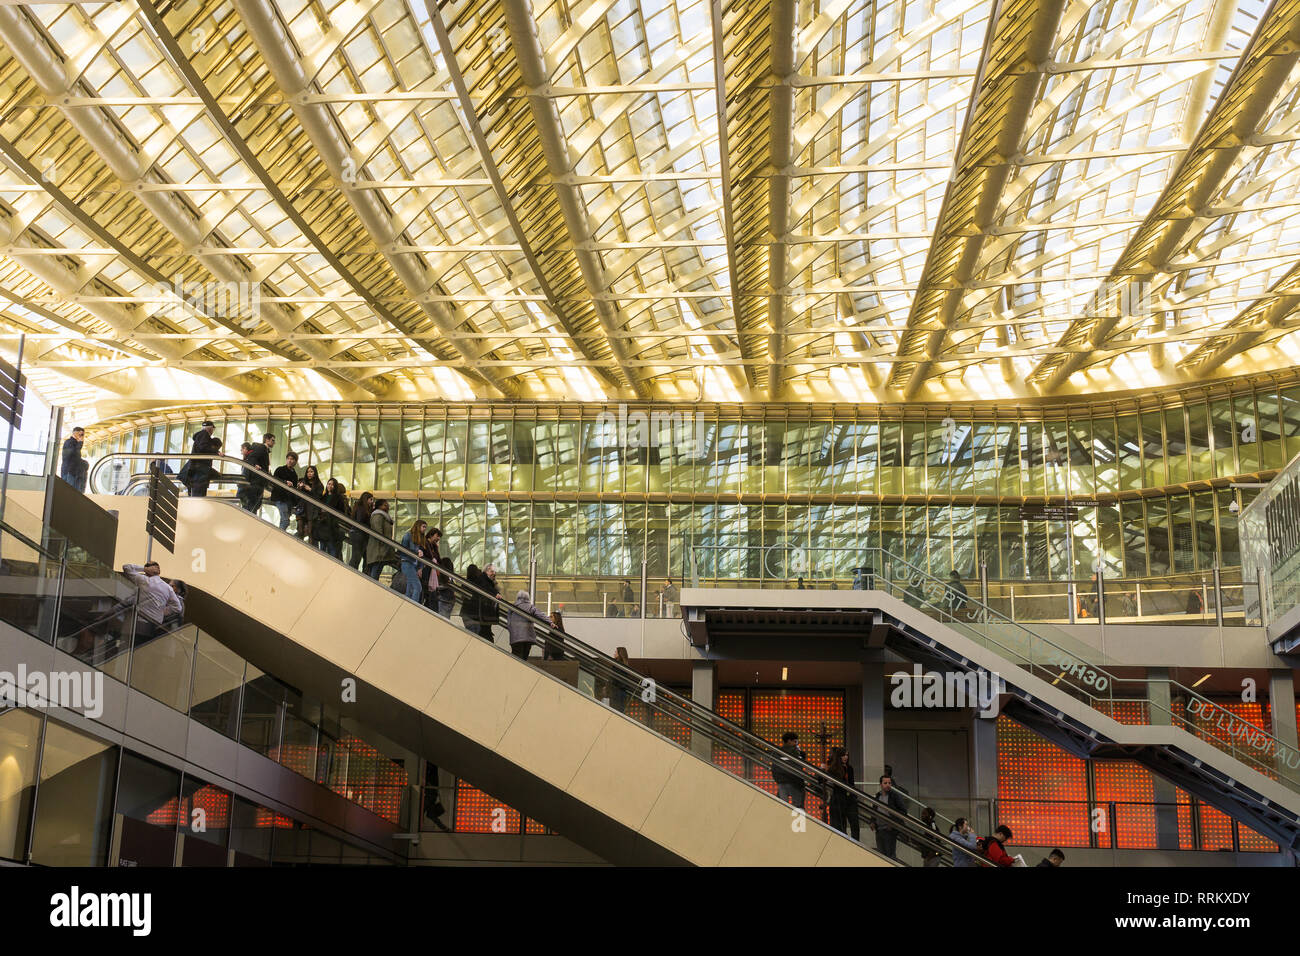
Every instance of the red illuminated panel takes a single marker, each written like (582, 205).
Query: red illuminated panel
(817, 716)
(479, 812)
(1132, 789)
(731, 706)
(1126, 711)
(214, 803)
(1217, 728)
(1042, 790)
(1216, 828)
(267, 818)
(356, 771)
(302, 759)
(362, 774)
(1253, 842)
(657, 721)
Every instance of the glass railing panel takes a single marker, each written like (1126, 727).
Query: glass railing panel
(301, 749)
(259, 718)
(29, 585)
(162, 663)
(218, 680)
(97, 616)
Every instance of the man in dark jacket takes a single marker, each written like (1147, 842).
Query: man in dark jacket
(72, 466)
(790, 786)
(1053, 859)
(886, 835)
(283, 501)
(199, 470)
(259, 460)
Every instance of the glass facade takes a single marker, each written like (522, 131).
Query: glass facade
(592, 490)
(100, 805)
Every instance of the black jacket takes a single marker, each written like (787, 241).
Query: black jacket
(893, 800)
(259, 456)
(202, 442)
(488, 612)
(71, 456)
(327, 527)
(837, 797)
(290, 477)
(782, 770)
(313, 492)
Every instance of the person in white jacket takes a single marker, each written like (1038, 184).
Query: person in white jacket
(155, 599)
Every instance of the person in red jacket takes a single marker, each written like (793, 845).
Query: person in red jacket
(995, 847)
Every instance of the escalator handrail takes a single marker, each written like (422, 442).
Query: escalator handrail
(1203, 702)
(695, 716)
(36, 546)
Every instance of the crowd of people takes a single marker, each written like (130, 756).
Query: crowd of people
(841, 808)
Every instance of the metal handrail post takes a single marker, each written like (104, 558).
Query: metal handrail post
(1218, 598)
(1260, 582)
(1101, 595)
(645, 587)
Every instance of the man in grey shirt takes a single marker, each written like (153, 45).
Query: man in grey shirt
(155, 599)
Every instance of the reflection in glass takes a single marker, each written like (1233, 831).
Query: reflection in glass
(20, 736)
(74, 815)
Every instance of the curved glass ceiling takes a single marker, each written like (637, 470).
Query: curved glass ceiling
(736, 200)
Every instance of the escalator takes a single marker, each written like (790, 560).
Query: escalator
(1052, 684)
(659, 781)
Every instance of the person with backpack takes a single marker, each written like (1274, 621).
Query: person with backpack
(378, 553)
(994, 847)
(790, 787)
(197, 473)
(930, 857)
(259, 460)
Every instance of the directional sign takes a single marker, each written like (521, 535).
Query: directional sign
(13, 392)
(164, 499)
(1048, 513)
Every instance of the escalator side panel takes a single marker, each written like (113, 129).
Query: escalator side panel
(531, 740)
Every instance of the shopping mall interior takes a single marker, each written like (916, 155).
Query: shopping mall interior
(917, 377)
